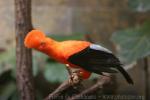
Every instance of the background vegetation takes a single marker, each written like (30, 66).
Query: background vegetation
(122, 26)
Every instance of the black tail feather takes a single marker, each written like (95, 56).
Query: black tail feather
(126, 75)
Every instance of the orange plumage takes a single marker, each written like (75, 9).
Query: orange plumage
(60, 51)
(84, 55)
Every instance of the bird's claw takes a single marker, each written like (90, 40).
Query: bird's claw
(75, 78)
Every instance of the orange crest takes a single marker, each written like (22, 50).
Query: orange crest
(34, 39)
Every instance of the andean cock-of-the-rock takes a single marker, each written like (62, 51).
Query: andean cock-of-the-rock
(88, 57)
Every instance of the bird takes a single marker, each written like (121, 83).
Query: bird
(87, 56)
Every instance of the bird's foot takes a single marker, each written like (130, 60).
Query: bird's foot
(75, 77)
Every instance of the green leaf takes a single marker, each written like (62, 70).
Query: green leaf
(134, 43)
(55, 72)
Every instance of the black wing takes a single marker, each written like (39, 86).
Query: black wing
(98, 59)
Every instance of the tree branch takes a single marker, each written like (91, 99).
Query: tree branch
(99, 85)
(67, 86)
(70, 85)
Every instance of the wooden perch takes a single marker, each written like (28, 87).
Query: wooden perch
(66, 85)
(99, 85)
(70, 84)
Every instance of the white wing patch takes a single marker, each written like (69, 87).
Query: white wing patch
(98, 47)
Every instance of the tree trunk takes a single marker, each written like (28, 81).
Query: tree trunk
(146, 69)
(23, 55)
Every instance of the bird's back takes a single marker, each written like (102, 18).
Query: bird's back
(71, 47)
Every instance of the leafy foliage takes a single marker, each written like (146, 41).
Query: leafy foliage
(134, 43)
(138, 4)
(55, 72)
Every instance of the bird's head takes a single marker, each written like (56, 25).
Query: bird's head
(34, 39)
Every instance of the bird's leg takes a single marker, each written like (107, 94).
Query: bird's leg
(75, 76)
(70, 74)
(68, 69)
